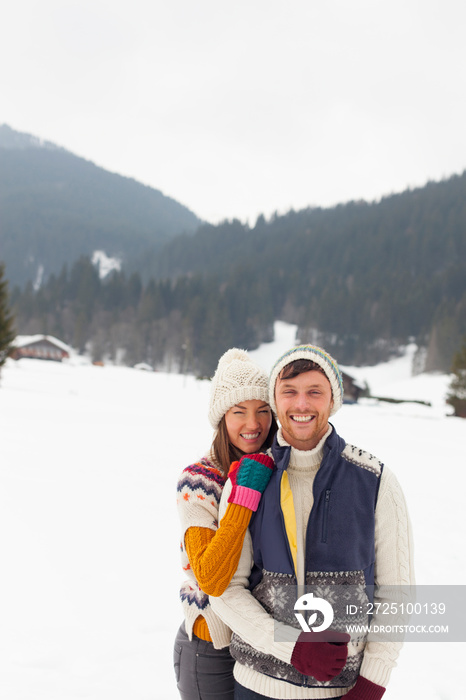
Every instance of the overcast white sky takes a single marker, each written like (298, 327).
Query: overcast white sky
(245, 107)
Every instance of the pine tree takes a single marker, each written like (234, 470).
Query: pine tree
(457, 393)
(7, 332)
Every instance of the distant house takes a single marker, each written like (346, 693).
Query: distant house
(352, 390)
(39, 347)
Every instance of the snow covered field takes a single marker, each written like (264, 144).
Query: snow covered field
(89, 531)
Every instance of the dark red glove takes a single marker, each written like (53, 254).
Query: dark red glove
(365, 690)
(320, 654)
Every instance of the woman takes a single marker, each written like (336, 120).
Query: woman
(244, 424)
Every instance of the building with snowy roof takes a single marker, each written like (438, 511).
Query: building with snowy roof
(352, 388)
(39, 347)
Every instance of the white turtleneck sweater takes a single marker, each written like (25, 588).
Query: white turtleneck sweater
(301, 471)
(245, 615)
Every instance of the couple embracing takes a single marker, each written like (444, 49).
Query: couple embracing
(277, 509)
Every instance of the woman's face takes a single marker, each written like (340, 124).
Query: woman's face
(248, 424)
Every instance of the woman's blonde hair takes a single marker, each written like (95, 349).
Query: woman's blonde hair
(225, 452)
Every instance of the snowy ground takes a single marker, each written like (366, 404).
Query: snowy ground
(89, 531)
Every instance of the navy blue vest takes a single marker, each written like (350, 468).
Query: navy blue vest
(340, 549)
(340, 531)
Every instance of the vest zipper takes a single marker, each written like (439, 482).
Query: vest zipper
(325, 521)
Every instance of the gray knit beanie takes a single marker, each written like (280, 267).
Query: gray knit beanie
(321, 358)
(236, 379)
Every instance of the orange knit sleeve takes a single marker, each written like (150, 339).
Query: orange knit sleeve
(214, 554)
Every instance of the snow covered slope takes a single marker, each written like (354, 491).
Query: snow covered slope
(89, 531)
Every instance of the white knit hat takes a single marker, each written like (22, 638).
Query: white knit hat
(236, 379)
(321, 358)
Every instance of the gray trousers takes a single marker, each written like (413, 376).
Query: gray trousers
(202, 672)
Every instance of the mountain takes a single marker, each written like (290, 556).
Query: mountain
(56, 206)
(361, 278)
(419, 233)
(17, 140)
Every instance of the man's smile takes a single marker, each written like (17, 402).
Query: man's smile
(302, 419)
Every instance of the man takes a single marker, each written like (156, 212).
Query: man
(331, 515)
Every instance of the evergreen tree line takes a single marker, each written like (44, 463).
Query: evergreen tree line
(182, 325)
(7, 329)
(457, 389)
(163, 322)
(359, 279)
(418, 233)
(186, 323)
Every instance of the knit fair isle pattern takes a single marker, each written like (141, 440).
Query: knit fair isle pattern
(201, 483)
(363, 459)
(199, 490)
(394, 568)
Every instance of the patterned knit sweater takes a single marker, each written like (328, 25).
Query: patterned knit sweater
(209, 553)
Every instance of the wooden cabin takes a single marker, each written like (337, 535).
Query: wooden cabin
(39, 347)
(352, 390)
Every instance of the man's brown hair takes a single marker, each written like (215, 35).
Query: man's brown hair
(299, 367)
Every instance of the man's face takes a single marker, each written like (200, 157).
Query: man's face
(303, 408)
